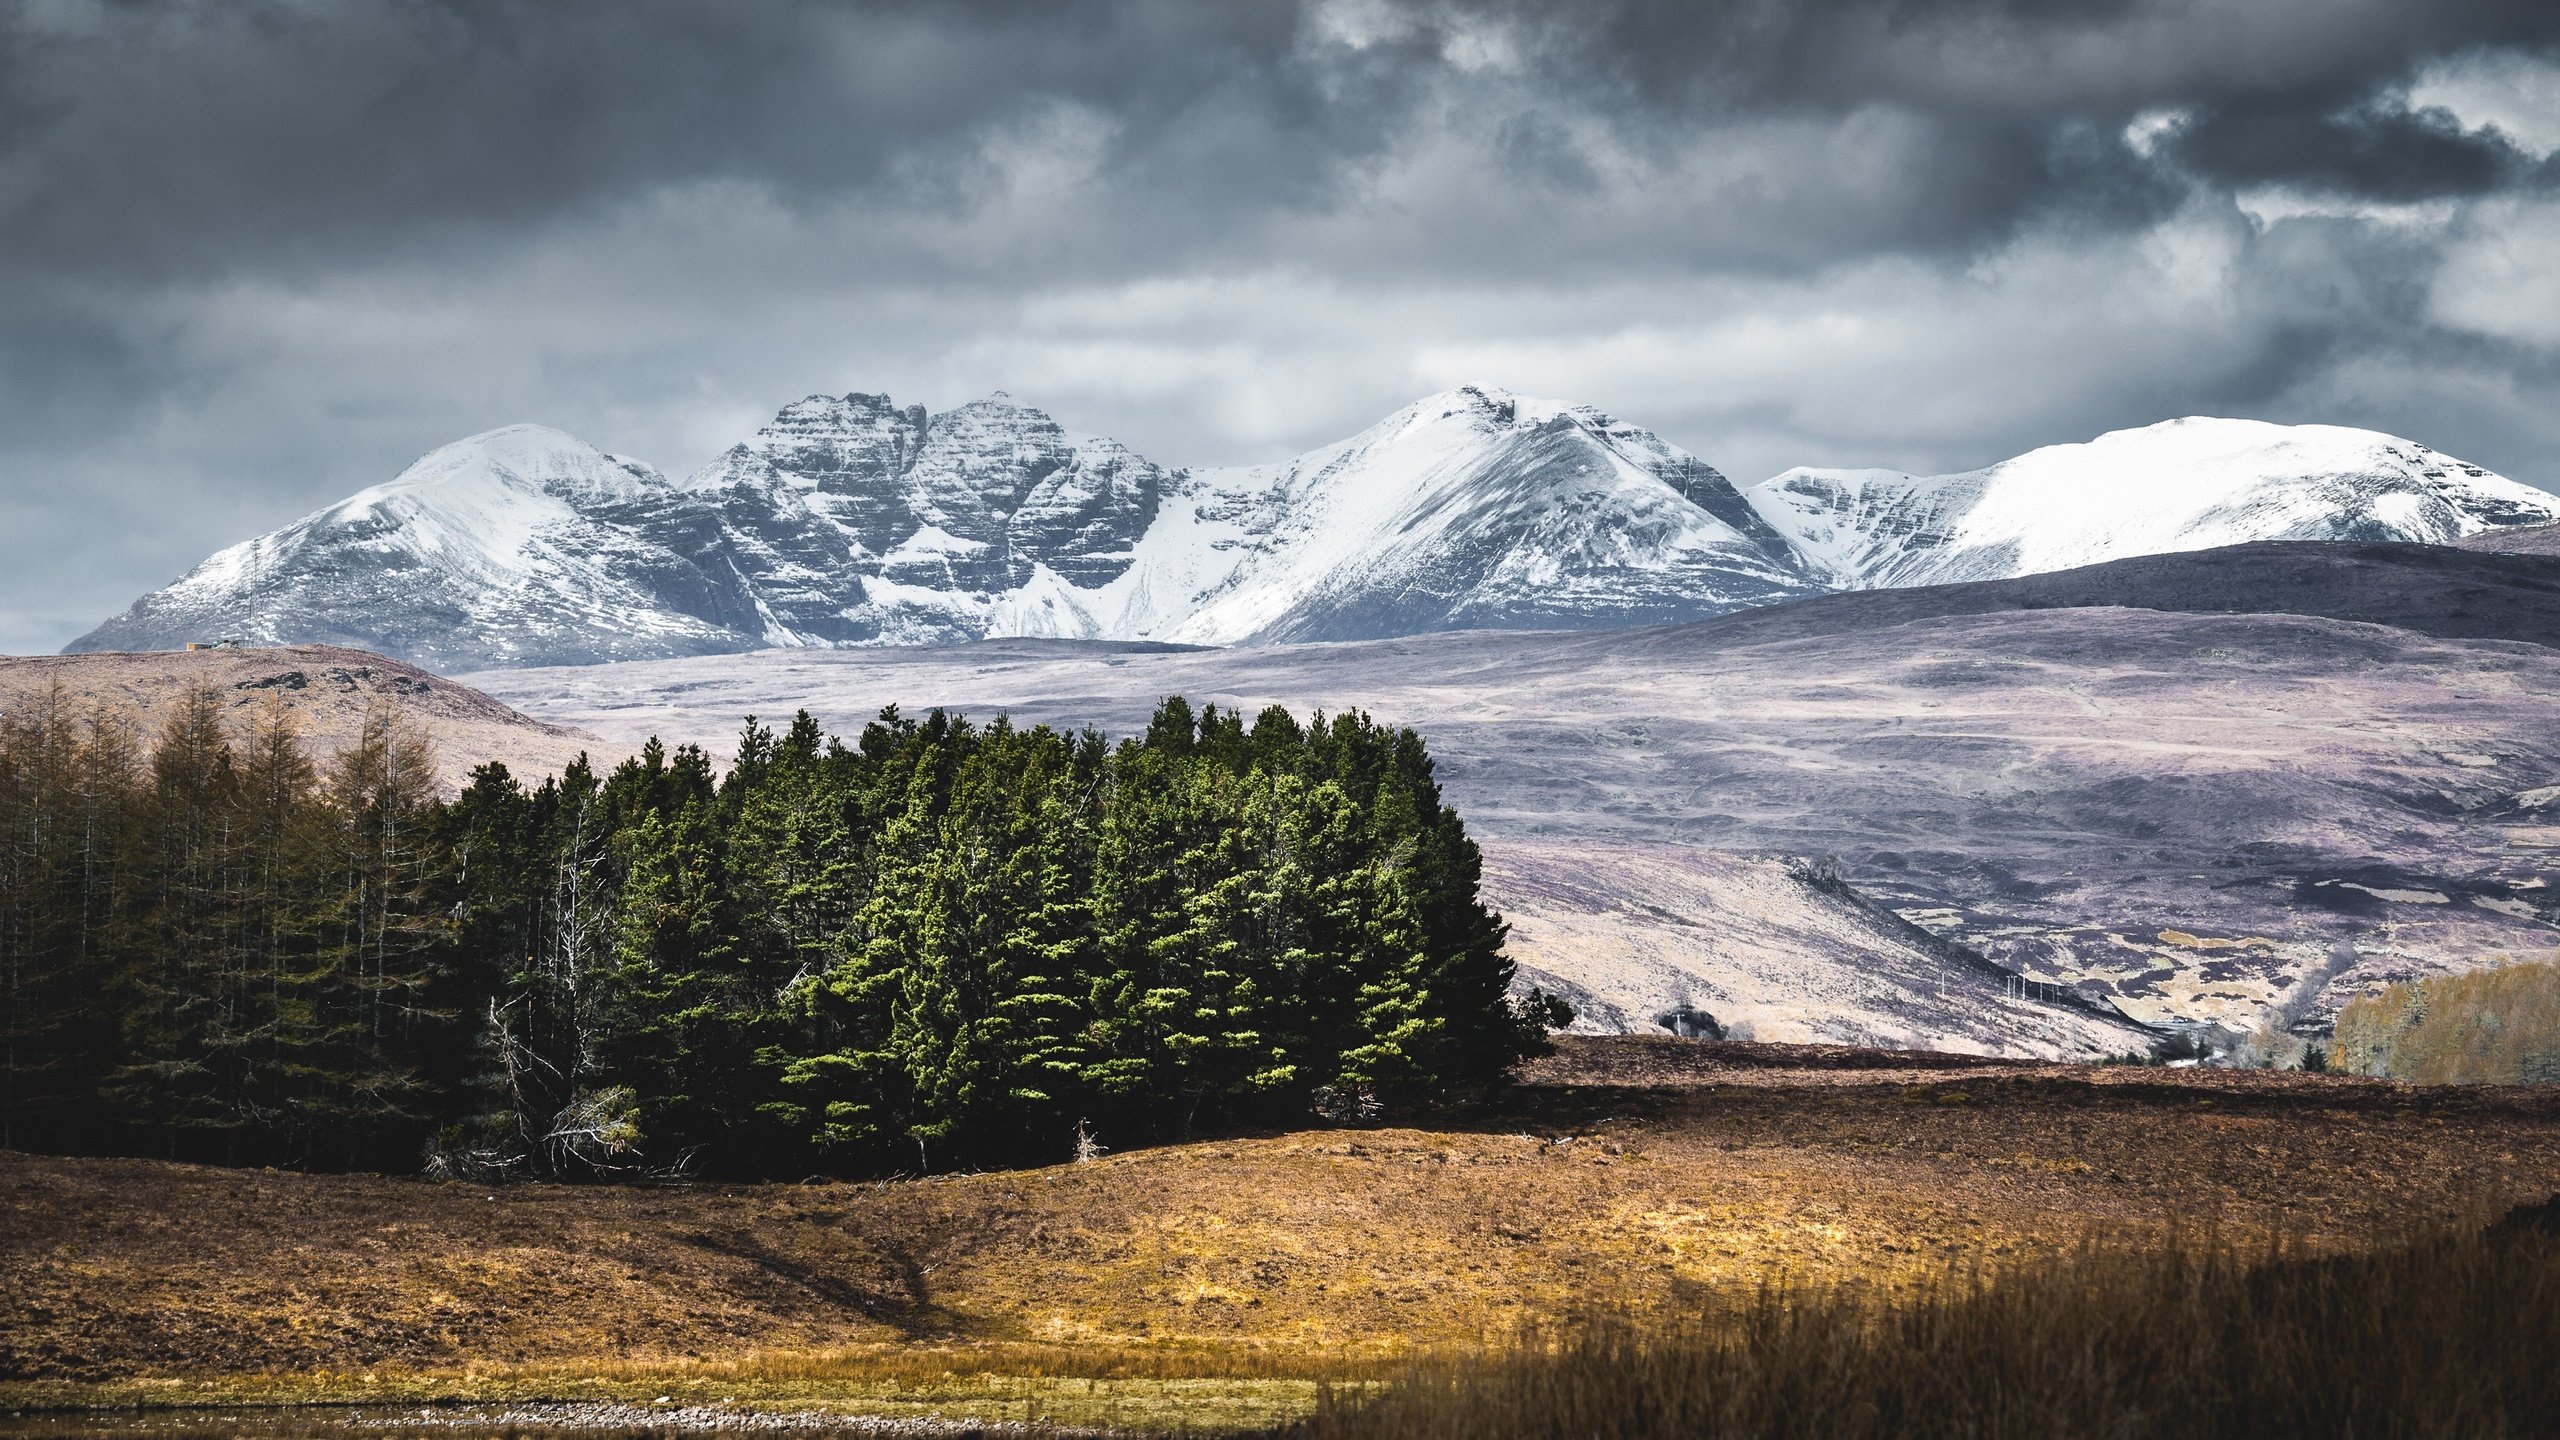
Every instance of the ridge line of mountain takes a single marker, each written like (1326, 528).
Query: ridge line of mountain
(2445, 592)
(852, 521)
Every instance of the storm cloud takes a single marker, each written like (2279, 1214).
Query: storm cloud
(255, 254)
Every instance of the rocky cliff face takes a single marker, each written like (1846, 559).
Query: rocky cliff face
(853, 521)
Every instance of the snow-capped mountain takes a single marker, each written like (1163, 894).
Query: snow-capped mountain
(852, 521)
(2180, 485)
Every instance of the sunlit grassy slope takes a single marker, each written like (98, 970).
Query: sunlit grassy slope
(1628, 1176)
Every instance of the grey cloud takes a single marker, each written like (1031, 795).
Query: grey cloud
(254, 253)
(169, 138)
(161, 141)
(2366, 150)
(2034, 57)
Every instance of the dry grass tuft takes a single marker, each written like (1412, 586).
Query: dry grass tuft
(2201, 1338)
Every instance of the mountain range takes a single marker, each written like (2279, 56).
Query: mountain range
(854, 522)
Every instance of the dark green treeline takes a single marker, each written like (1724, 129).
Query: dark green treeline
(941, 945)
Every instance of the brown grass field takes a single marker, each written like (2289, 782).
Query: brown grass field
(1216, 1282)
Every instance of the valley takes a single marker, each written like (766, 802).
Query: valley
(2051, 816)
(1298, 720)
(2173, 818)
(2207, 722)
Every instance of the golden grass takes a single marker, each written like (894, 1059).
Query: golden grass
(1226, 1280)
(977, 1388)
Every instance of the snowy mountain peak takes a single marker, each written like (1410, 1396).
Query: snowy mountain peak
(1484, 407)
(2206, 446)
(855, 444)
(529, 457)
(2183, 484)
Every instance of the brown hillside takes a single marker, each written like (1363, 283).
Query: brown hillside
(328, 689)
(1627, 1171)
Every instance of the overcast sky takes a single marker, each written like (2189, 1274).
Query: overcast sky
(255, 255)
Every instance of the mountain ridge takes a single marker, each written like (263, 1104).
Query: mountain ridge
(852, 521)
(2186, 484)
(2442, 591)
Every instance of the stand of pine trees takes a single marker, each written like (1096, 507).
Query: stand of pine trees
(942, 945)
(208, 948)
